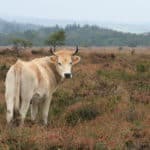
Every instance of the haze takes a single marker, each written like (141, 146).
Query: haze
(124, 11)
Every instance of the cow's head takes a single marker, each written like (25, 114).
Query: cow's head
(64, 60)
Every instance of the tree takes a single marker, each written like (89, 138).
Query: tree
(120, 48)
(56, 39)
(132, 44)
(17, 42)
(26, 43)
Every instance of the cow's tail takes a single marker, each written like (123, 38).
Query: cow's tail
(17, 71)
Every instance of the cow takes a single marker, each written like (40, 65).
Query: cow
(30, 83)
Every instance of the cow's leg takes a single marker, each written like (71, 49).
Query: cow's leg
(24, 108)
(45, 109)
(34, 111)
(10, 109)
(10, 95)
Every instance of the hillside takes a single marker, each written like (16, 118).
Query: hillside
(75, 34)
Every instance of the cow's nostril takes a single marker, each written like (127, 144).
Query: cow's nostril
(67, 75)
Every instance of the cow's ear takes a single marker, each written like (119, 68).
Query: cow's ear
(75, 59)
(53, 59)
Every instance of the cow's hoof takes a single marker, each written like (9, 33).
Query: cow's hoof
(10, 124)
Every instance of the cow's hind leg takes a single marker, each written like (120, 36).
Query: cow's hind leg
(10, 95)
(10, 110)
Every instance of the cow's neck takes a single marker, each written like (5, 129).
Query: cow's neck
(57, 75)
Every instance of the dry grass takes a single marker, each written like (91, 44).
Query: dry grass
(106, 108)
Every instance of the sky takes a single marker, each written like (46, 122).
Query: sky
(128, 11)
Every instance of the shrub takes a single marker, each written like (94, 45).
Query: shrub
(36, 52)
(129, 145)
(4, 67)
(100, 146)
(141, 68)
(56, 147)
(82, 114)
(132, 114)
(142, 86)
(28, 145)
(7, 52)
(2, 108)
(61, 99)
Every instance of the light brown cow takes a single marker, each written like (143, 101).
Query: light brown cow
(34, 82)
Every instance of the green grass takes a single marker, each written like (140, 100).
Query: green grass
(115, 74)
(123, 75)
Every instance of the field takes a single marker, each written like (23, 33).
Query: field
(106, 106)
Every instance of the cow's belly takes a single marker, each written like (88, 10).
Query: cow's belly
(37, 98)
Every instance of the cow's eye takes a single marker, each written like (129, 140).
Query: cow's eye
(59, 64)
(70, 63)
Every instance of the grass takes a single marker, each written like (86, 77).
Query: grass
(140, 79)
(113, 101)
(115, 74)
(142, 86)
(105, 105)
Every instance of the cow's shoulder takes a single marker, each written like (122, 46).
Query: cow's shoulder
(19, 63)
(40, 60)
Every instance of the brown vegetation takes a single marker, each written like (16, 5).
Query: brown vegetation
(105, 106)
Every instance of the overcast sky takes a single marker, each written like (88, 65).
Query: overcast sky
(129, 11)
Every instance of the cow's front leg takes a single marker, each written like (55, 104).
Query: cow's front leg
(24, 108)
(45, 109)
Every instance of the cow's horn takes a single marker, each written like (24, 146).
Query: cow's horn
(51, 51)
(77, 49)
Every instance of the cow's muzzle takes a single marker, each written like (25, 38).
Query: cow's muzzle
(67, 75)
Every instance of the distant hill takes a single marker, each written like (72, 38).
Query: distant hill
(87, 35)
(11, 27)
(47, 22)
(38, 21)
(127, 28)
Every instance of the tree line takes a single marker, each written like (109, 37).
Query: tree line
(73, 35)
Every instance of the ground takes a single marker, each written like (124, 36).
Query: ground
(105, 106)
